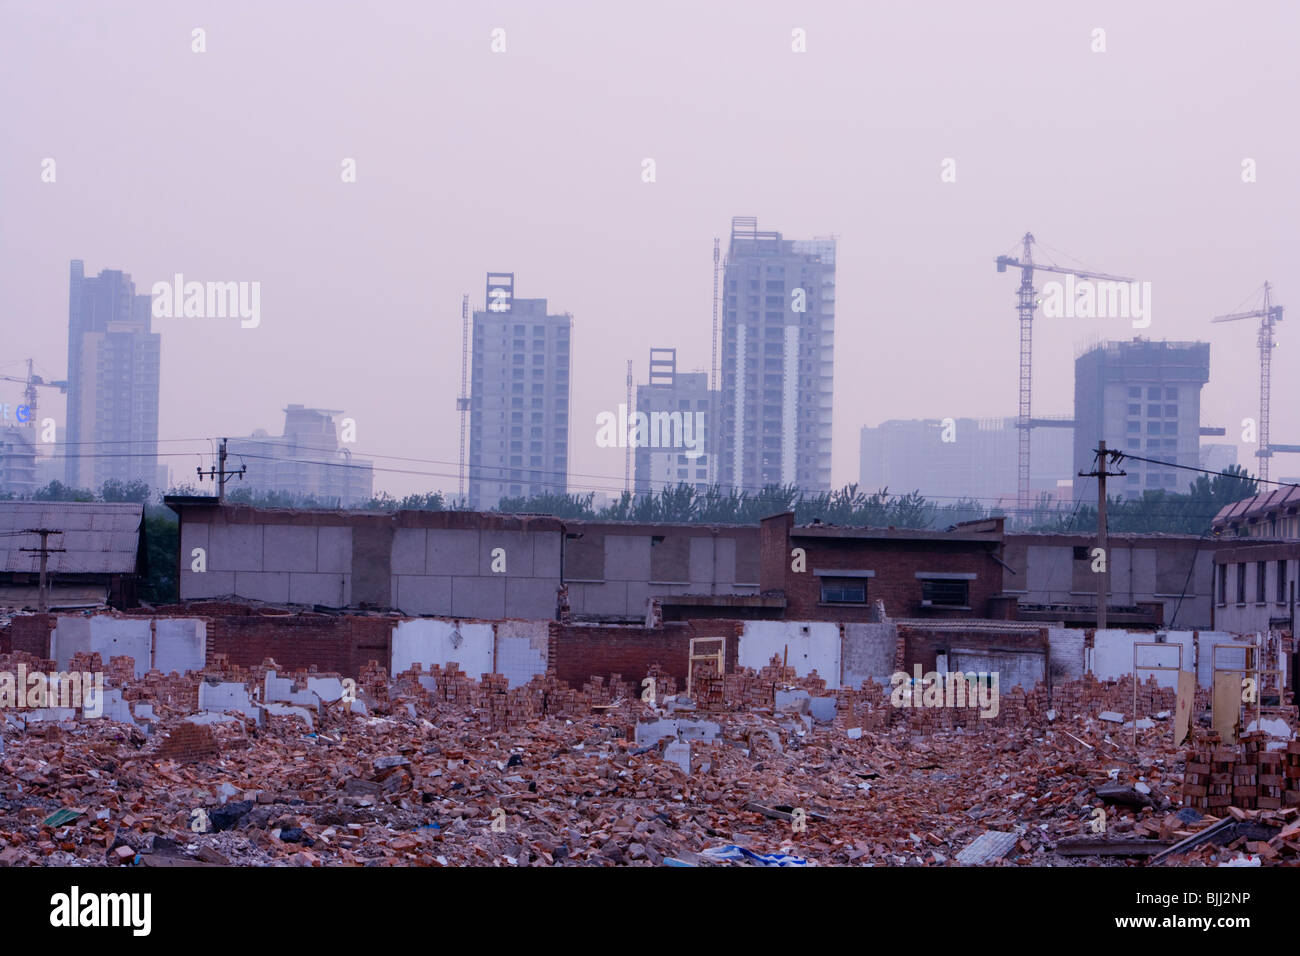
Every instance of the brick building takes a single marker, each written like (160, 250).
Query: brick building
(831, 573)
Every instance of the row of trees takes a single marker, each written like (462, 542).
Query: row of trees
(717, 505)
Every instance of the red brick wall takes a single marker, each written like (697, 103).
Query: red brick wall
(29, 633)
(895, 563)
(774, 551)
(921, 646)
(579, 652)
(339, 644)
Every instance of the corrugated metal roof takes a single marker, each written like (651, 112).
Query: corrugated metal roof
(1272, 502)
(99, 538)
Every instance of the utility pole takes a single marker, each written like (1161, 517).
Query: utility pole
(219, 474)
(41, 603)
(1101, 474)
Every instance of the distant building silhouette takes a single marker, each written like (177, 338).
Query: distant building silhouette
(519, 398)
(977, 461)
(17, 460)
(778, 331)
(1144, 398)
(307, 460)
(113, 368)
(679, 413)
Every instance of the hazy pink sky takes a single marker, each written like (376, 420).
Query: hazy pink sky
(225, 165)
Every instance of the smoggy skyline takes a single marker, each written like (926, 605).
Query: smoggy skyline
(226, 166)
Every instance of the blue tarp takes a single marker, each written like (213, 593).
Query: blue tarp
(737, 854)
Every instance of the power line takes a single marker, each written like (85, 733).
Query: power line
(1207, 471)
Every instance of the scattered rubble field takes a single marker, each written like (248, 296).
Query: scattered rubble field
(756, 769)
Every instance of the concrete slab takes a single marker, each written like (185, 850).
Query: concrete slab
(210, 718)
(988, 846)
(434, 641)
(290, 547)
(280, 690)
(180, 644)
(334, 550)
(49, 714)
(652, 732)
(679, 752)
(793, 701)
(327, 590)
(223, 696)
(823, 709)
(328, 689)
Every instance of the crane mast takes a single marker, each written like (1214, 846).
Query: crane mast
(1269, 316)
(462, 403)
(1025, 305)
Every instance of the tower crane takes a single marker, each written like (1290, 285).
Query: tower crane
(1025, 306)
(462, 402)
(1269, 316)
(31, 381)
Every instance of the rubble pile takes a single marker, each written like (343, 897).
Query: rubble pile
(443, 769)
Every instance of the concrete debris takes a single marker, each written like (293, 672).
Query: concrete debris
(990, 845)
(449, 771)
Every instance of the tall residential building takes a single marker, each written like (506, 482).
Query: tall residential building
(17, 460)
(307, 460)
(678, 415)
(1144, 398)
(949, 459)
(519, 398)
(113, 365)
(778, 332)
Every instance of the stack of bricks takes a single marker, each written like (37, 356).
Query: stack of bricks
(87, 662)
(876, 711)
(1290, 768)
(373, 679)
(120, 671)
(407, 683)
(708, 687)
(493, 701)
(1196, 772)
(665, 684)
(1245, 775)
(552, 697)
(1089, 697)
(596, 691)
(777, 673)
(453, 685)
(744, 690)
(1223, 764)
(521, 707)
(1270, 780)
(1208, 773)
(177, 693)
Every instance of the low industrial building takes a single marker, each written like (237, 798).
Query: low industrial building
(96, 554)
